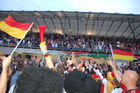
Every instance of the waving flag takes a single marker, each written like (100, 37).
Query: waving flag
(13, 28)
(123, 54)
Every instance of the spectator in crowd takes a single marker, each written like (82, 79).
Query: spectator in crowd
(79, 82)
(127, 80)
(138, 46)
(39, 80)
(15, 76)
(1, 42)
(108, 83)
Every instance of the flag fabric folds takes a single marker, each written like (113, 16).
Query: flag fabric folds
(123, 54)
(13, 28)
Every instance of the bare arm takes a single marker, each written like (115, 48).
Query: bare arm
(3, 78)
(59, 60)
(74, 59)
(48, 59)
(116, 73)
(79, 65)
(119, 69)
(49, 62)
(104, 81)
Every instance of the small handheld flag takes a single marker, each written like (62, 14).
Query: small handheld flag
(123, 54)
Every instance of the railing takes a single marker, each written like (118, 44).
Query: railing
(61, 48)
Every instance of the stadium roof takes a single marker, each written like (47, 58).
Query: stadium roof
(81, 23)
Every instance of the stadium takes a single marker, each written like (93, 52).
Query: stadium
(76, 52)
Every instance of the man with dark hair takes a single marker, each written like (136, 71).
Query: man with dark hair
(14, 77)
(39, 80)
(79, 82)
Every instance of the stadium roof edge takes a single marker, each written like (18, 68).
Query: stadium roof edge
(81, 23)
(130, 14)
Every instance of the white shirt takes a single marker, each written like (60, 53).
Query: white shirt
(84, 46)
(100, 47)
(104, 81)
(53, 44)
(56, 45)
(11, 89)
(1, 42)
(116, 90)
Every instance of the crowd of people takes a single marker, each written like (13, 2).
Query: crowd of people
(88, 43)
(71, 75)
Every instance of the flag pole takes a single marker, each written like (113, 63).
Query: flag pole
(58, 59)
(111, 51)
(21, 40)
(86, 57)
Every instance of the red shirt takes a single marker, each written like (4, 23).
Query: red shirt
(128, 91)
(138, 46)
(133, 91)
(123, 87)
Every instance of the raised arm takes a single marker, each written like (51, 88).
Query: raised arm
(79, 65)
(3, 78)
(116, 73)
(74, 59)
(104, 81)
(48, 59)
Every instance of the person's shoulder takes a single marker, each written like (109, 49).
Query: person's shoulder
(11, 90)
(64, 91)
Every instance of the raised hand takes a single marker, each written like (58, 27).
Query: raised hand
(6, 62)
(111, 63)
(2, 57)
(43, 47)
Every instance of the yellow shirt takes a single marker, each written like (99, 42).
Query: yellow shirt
(110, 86)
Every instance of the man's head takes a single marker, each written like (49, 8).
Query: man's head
(129, 75)
(39, 80)
(79, 82)
(20, 66)
(110, 76)
(60, 69)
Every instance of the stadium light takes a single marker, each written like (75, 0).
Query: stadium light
(91, 16)
(59, 31)
(89, 33)
(60, 14)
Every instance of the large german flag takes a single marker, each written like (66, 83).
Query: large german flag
(13, 28)
(123, 54)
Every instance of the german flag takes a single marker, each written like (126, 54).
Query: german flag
(123, 54)
(13, 28)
